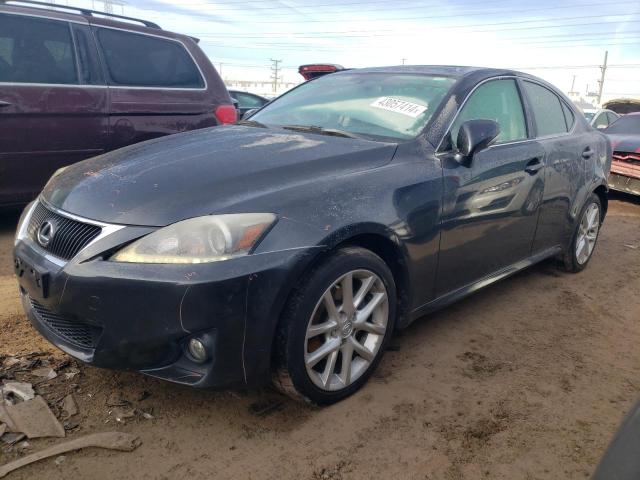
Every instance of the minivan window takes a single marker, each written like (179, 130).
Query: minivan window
(34, 50)
(547, 110)
(497, 100)
(139, 60)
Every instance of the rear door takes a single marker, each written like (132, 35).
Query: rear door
(566, 161)
(50, 115)
(156, 88)
(489, 207)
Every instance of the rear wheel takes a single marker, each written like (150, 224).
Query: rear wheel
(585, 236)
(335, 328)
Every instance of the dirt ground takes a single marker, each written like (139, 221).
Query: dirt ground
(527, 379)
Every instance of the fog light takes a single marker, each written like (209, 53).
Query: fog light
(197, 350)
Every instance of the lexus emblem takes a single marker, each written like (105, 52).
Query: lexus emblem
(46, 232)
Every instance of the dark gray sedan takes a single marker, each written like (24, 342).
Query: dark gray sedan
(291, 246)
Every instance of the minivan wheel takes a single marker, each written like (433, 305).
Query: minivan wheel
(335, 328)
(585, 236)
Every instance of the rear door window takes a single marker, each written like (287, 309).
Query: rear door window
(497, 100)
(601, 121)
(569, 117)
(34, 50)
(138, 60)
(612, 117)
(547, 110)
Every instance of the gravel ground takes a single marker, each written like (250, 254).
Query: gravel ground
(526, 380)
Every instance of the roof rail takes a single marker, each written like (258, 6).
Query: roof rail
(83, 11)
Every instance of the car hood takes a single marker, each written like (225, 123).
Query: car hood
(625, 142)
(162, 181)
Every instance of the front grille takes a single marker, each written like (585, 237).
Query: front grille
(77, 333)
(69, 236)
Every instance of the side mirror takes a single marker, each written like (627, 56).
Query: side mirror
(248, 113)
(473, 136)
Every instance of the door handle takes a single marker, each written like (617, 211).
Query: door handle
(4, 104)
(533, 166)
(587, 152)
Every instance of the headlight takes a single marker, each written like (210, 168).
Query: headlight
(23, 224)
(199, 240)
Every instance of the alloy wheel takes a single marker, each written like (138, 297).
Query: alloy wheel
(587, 233)
(346, 330)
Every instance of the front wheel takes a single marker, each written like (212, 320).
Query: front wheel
(585, 236)
(335, 327)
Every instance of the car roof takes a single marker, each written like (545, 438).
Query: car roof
(456, 71)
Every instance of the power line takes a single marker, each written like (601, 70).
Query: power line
(369, 33)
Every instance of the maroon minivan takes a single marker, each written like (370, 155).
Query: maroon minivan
(74, 85)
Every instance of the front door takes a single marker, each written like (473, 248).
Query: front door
(490, 207)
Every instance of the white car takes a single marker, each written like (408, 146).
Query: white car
(600, 118)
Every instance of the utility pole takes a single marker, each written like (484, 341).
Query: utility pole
(275, 69)
(603, 69)
(573, 84)
(108, 6)
(403, 60)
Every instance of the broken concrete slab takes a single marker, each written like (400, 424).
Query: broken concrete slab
(45, 372)
(69, 405)
(34, 418)
(22, 390)
(110, 440)
(12, 438)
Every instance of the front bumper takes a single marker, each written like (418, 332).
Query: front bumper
(139, 317)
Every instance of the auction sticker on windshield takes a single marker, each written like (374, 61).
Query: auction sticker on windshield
(399, 106)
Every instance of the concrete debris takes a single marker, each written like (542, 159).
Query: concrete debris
(110, 440)
(71, 373)
(24, 445)
(34, 418)
(60, 460)
(12, 438)
(45, 372)
(121, 415)
(23, 391)
(70, 406)
(116, 399)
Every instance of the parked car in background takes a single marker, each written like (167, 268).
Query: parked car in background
(292, 245)
(247, 101)
(625, 167)
(600, 118)
(74, 85)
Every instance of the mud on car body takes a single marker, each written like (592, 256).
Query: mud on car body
(291, 246)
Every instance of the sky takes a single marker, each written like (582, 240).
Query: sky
(563, 42)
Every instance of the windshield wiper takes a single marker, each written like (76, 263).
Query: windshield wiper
(321, 130)
(251, 123)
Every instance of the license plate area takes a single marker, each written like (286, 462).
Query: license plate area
(35, 280)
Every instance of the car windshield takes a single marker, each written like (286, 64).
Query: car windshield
(391, 106)
(589, 115)
(625, 124)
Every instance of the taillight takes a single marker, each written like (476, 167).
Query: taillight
(226, 114)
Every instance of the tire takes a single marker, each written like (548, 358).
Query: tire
(574, 261)
(312, 345)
